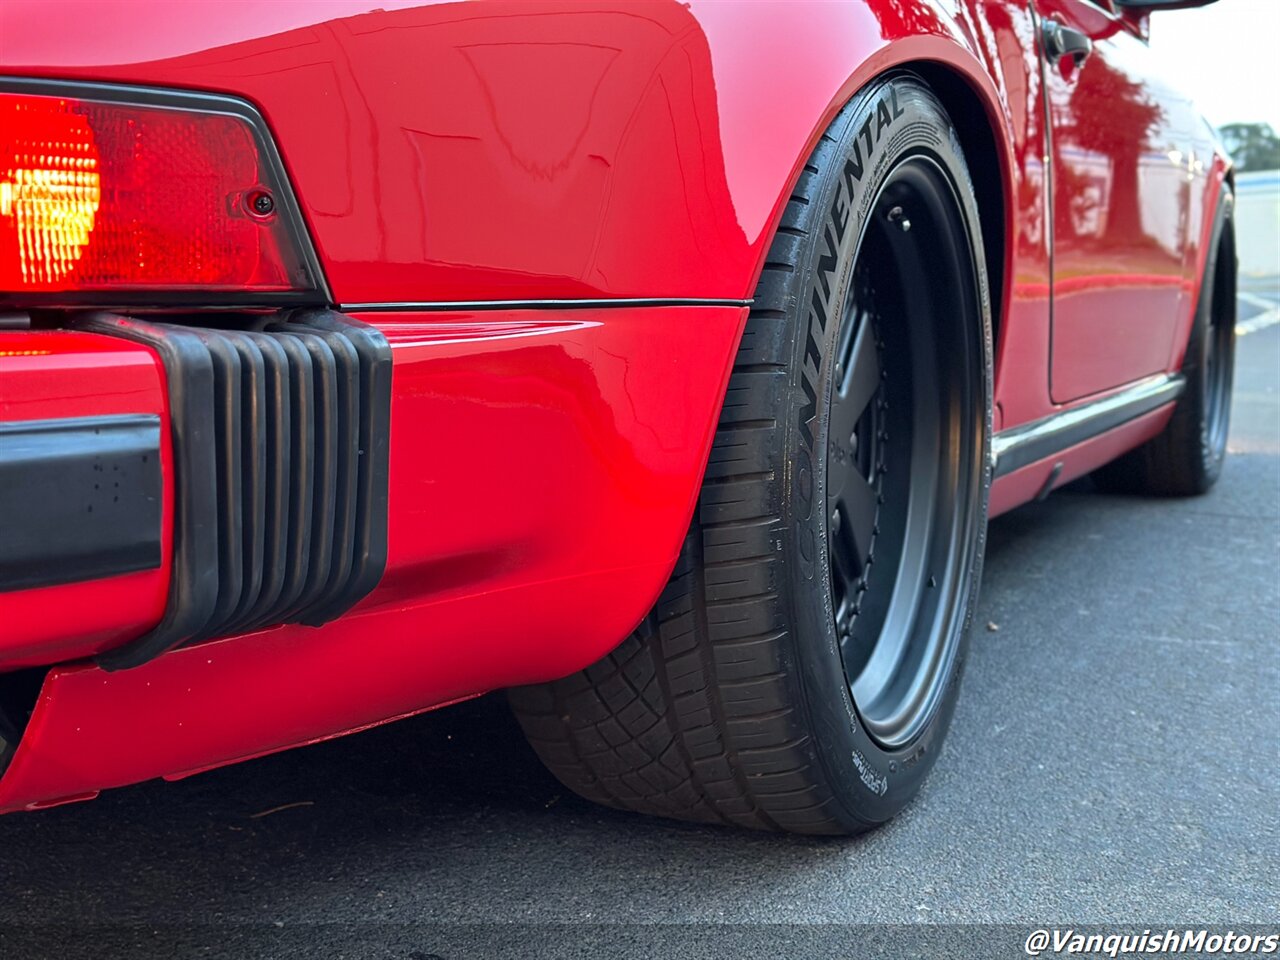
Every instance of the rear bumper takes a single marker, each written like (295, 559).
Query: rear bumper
(543, 469)
(81, 498)
(277, 429)
(81, 580)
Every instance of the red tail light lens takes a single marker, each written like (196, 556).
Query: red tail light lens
(108, 202)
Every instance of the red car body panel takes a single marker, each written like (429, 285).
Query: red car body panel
(1129, 199)
(1038, 479)
(584, 434)
(680, 117)
(546, 459)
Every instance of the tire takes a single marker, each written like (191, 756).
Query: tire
(734, 701)
(1186, 458)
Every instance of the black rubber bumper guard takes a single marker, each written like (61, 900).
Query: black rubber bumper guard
(281, 435)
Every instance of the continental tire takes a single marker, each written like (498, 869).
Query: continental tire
(800, 670)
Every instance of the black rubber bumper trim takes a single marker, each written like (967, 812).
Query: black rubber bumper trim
(193, 582)
(281, 437)
(80, 499)
(370, 380)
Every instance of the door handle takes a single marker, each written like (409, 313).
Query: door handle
(1062, 41)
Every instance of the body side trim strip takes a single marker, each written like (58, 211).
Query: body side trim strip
(1022, 445)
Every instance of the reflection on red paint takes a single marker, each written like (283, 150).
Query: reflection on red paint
(1124, 180)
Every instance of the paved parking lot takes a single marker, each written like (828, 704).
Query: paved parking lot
(1113, 760)
(1258, 303)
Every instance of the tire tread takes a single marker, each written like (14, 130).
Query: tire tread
(697, 714)
(707, 731)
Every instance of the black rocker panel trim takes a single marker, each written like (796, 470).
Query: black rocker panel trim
(286, 521)
(1023, 445)
(80, 499)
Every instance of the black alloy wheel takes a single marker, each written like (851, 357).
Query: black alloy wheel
(901, 507)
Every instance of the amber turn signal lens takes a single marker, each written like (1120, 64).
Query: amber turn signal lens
(49, 191)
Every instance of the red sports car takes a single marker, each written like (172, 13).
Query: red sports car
(661, 362)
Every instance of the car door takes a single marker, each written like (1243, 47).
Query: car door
(1121, 153)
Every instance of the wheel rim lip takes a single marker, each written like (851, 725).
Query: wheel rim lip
(897, 687)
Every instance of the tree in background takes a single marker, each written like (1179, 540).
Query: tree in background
(1254, 146)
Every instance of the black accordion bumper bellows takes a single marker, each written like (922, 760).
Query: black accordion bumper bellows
(280, 438)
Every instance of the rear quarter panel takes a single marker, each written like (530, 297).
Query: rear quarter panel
(511, 150)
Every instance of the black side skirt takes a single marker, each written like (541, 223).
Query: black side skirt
(1021, 446)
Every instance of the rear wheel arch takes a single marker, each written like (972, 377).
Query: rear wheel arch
(732, 702)
(990, 170)
(973, 103)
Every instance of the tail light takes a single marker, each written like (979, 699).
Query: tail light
(115, 196)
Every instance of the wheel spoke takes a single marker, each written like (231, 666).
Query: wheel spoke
(855, 502)
(860, 369)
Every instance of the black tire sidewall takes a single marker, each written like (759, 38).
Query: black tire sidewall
(1208, 459)
(870, 783)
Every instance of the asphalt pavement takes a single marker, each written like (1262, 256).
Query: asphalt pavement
(1258, 301)
(1113, 761)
